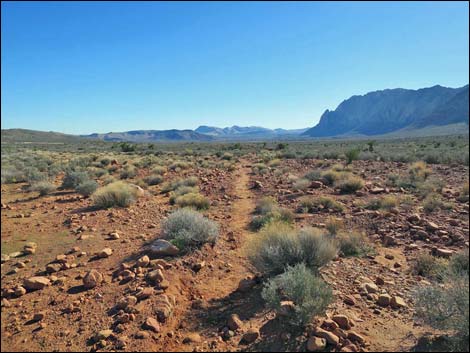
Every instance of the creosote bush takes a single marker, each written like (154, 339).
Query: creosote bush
(43, 187)
(349, 183)
(115, 194)
(353, 244)
(189, 229)
(445, 306)
(309, 293)
(194, 200)
(278, 245)
(73, 179)
(87, 187)
(313, 204)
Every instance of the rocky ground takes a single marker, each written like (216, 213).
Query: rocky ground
(79, 279)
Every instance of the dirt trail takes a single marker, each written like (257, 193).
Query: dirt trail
(213, 291)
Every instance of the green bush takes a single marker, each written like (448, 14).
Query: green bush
(194, 200)
(430, 266)
(278, 245)
(313, 204)
(352, 155)
(353, 244)
(87, 187)
(309, 293)
(349, 183)
(170, 186)
(43, 187)
(445, 307)
(153, 179)
(73, 179)
(189, 229)
(115, 194)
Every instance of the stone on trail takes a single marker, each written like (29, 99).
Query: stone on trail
(106, 252)
(234, 323)
(36, 282)
(152, 325)
(161, 247)
(315, 344)
(92, 279)
(250, 336)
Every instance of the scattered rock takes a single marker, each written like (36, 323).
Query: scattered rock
(152, 325)
(397, 302)
(384, 300)
(234, 323)
(250, 336)
(342, 321)
(161, 247)
(315, 344)
(92, 279)
(106, 252)
(36, 282)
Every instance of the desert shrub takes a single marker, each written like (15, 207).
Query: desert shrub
(153, 179)
(352, 155)
(429, 266)
(334, 225)
(459, 263)
(73, 179)
(278, 245)
(385, 203)
(43, 187)
(259, 168)
(128, 172)
(274, 162)
(309, 293)
(12, 175)
(278, 214)
(353, 244)
(33, 175)
(178, 165)
(313, 175)
(349, 183)
(194, 200)
(330, 176)
(159, 170)
(463, 196)
(118, 194)
(301, 184)
(265, 205)
(313, 204)
(169, 186)
(431, 185)
(87, 187)
(182, 190)
(418, 171)
(189, 229)
(445, 307)
(108, 179)
(433, 202)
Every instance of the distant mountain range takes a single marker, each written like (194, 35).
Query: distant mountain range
(246, 132)
(151, 136)
(391, 112)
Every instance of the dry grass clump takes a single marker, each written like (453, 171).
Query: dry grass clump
(353, 244)
(349, 183)
(115, 194)
(192, 199)
(87, 188)
(267, 211)
(463, 196)
(312, 204)
(301, 184)
(386, 203)
(153, 179)
(278, 245)
(170, 186)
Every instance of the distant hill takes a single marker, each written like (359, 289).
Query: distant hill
(246, 132)
(392, 110)
(151, 136)
(24, 135)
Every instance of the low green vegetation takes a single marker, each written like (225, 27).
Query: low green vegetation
(188, 229)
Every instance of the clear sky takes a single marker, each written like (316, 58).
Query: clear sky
(100, 67)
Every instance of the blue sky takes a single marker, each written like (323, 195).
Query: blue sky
(100, 67)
